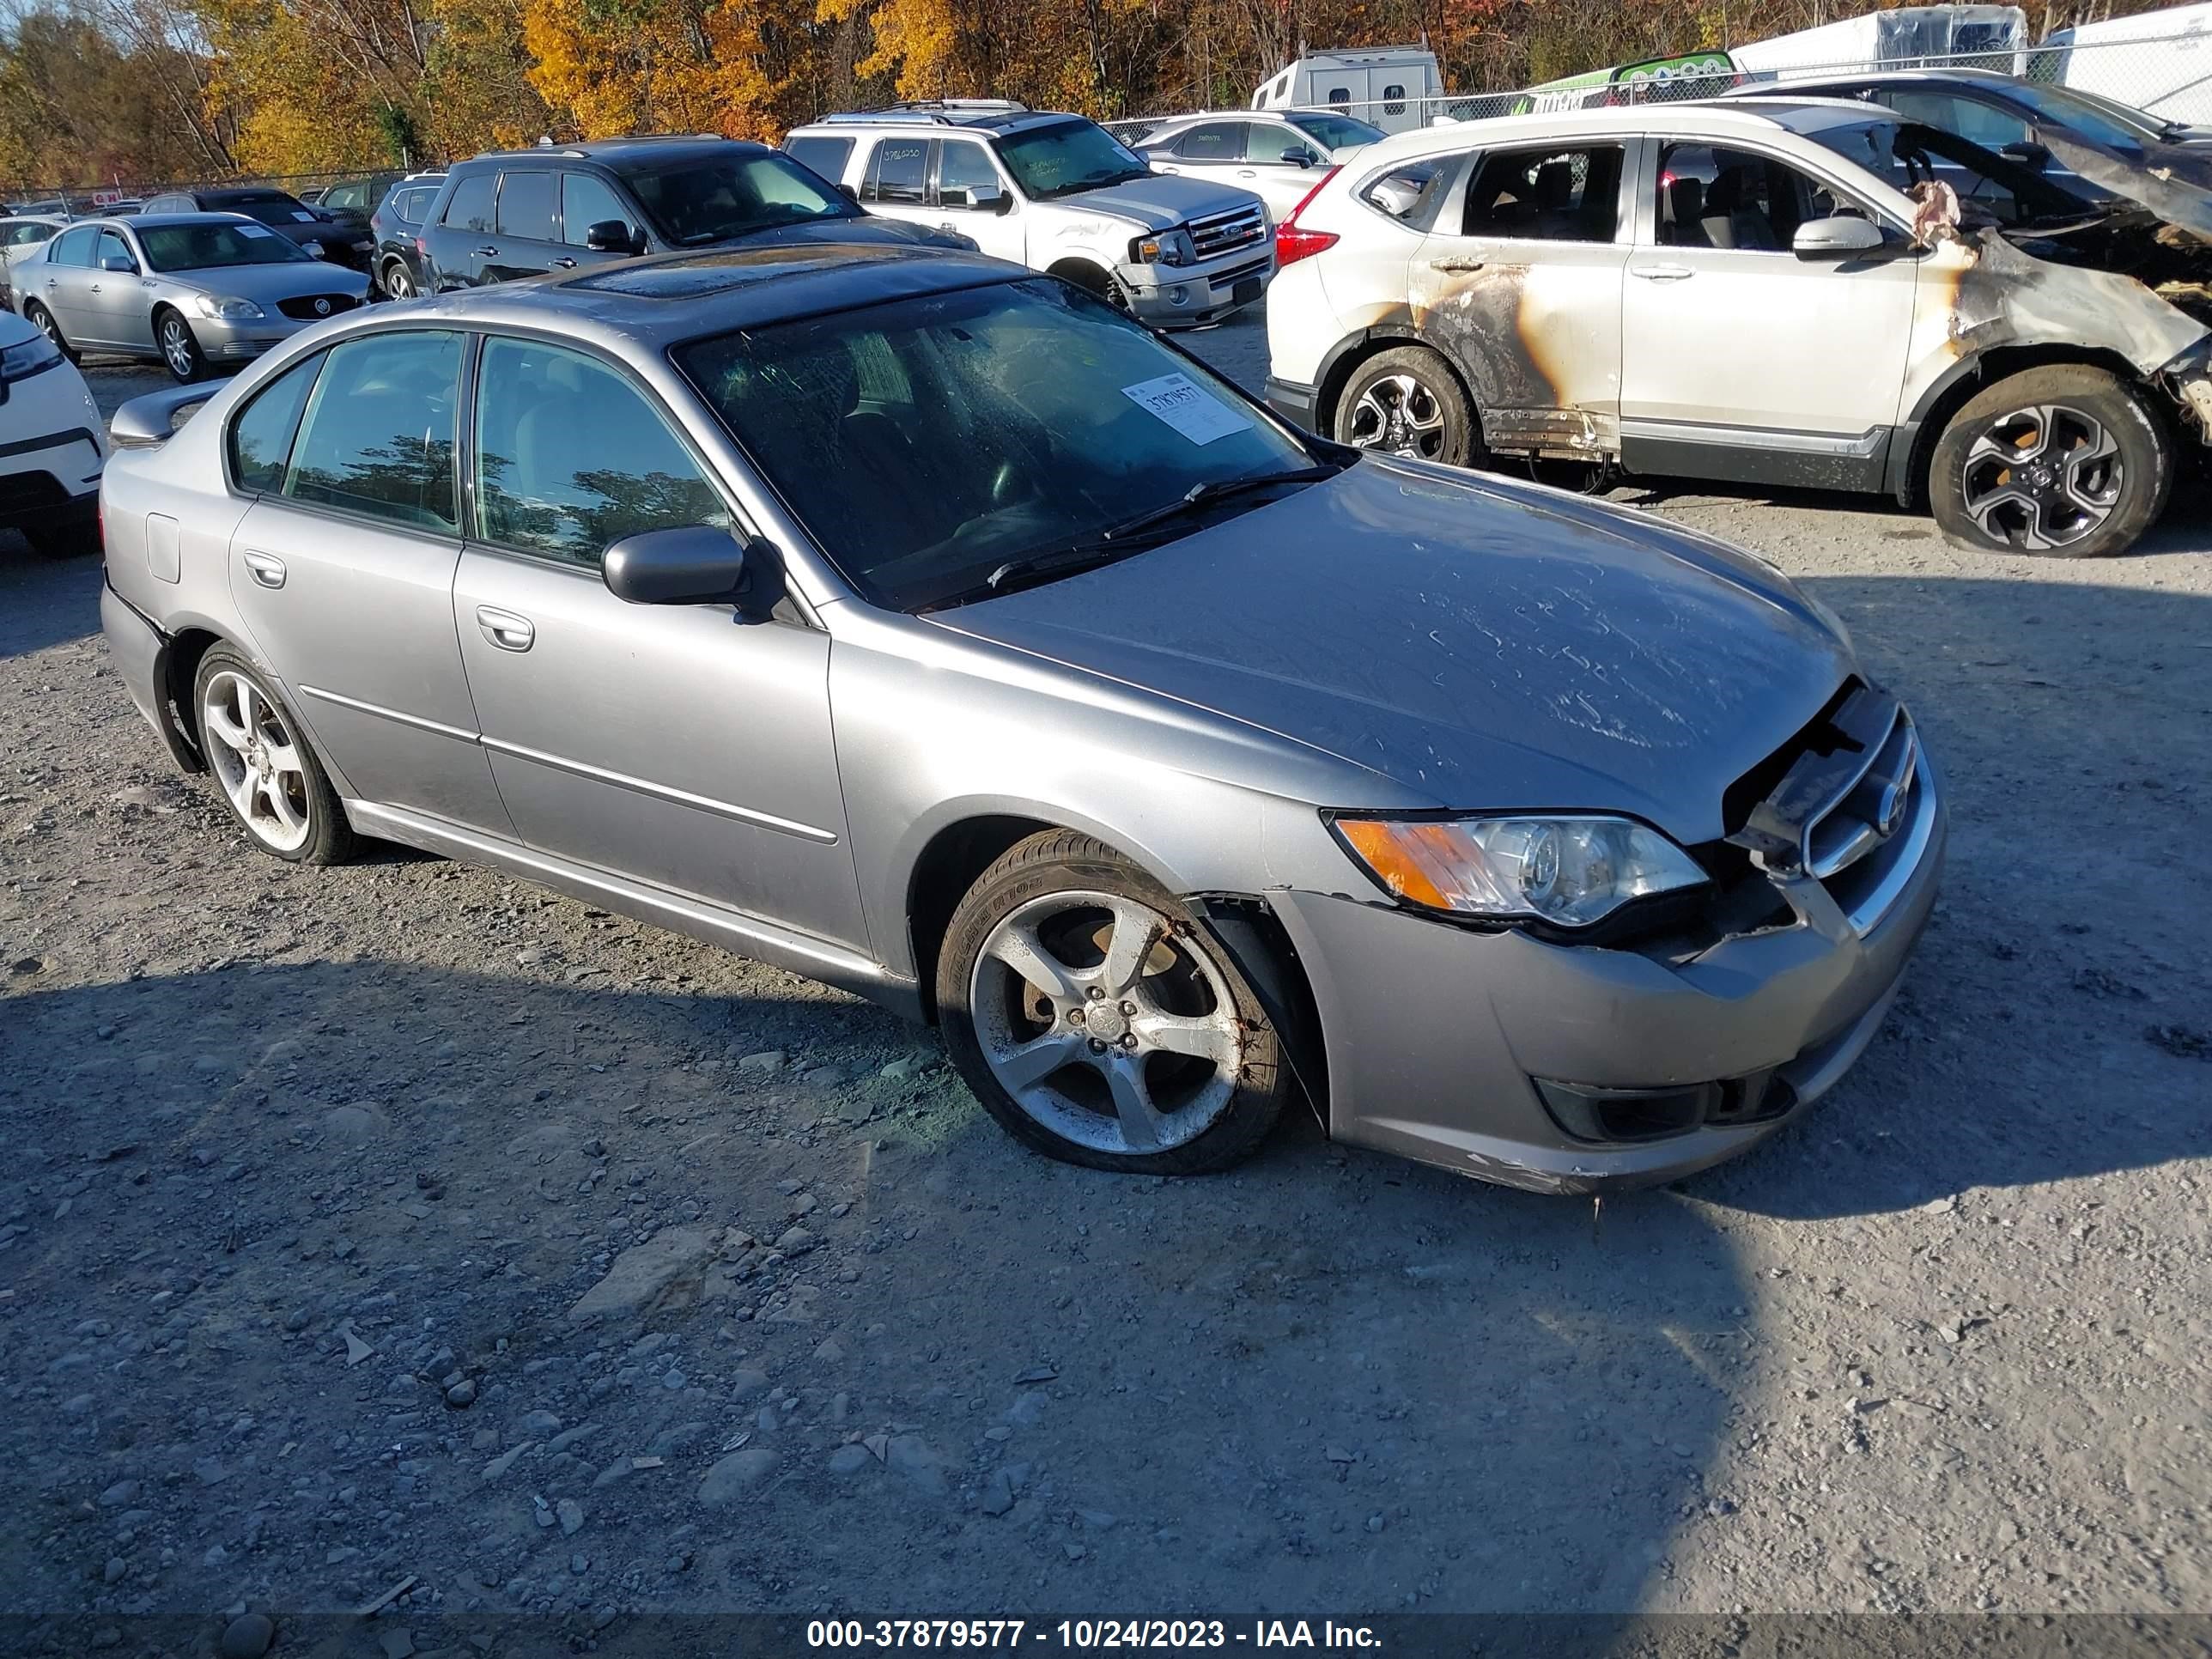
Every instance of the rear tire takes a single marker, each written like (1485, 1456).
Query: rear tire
(398, 282)
(180, 347)
(261, 763)
(1407, 402)
(2067, 462)
(1097, 1022)
(43, 319)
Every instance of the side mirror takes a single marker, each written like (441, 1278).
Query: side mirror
(118, 265)
(849, 193)
(695, 564)
(992, 198)
(1839, 237)
(613, 236)
(2028, 153)
(1299, 156)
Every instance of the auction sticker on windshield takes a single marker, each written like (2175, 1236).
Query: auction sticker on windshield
(1188, 407)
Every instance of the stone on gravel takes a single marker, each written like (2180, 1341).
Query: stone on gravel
(734, 1476)
(766, 1063)
(571, 1516)
(917, 1460)
(669, 1266)
(850, 1459)
(998, 1494)
(506, 1460)
(246, 1637)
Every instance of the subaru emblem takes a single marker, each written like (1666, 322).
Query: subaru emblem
(322, 307)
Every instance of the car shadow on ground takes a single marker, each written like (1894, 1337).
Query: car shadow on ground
(2054, 1023)
(45, 601)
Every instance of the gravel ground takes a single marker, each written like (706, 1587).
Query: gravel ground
(405, 1223)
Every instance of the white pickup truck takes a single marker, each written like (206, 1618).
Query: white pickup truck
(1057, 194)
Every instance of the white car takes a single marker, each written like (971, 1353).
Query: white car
(1279, 157)
(1748, 292)
(53, 445)
(21, 235)
(1057, 194)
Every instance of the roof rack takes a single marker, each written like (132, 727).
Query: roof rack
(938, 112)
(578, 152)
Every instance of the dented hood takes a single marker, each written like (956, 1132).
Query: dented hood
(2174, 181)
(1479, 643)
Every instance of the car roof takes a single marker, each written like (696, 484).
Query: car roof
(239, 193)
(922, 121)
(672, 297)
(159, 221)
(1875, 77)
(614, 152)
(1747, 116)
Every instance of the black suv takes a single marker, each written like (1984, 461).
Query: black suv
(397, 224)
(524, 213)
(322, 235)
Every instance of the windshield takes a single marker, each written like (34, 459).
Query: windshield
(2099, 122)
(924, 443)
(1335, 132)
(206, 248)
(279, 211)
(1904, 154)
(695, 202)
(1068, 156)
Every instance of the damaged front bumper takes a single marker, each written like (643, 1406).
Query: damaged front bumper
(1484, 1052)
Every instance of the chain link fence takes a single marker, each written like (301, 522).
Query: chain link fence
(2168, 77)
(88, 201)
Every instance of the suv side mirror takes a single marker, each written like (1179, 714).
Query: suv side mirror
(613, 236)
(2028, 153)
(1840, 236)
(992, 198)
(694, 564)
(849, 194)
(1299, 156)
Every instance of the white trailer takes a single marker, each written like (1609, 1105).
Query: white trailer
(1909, 37)
(1382, 86)
(2160, 62)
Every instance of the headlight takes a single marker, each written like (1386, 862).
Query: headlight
(20, 363)
(1166, 247)
(1570, 871)
(228, 310)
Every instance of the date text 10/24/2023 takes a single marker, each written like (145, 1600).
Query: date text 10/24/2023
(1086, 1634)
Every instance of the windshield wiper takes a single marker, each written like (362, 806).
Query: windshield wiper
(1213, 490)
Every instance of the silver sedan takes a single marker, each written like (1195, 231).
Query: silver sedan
(923, 625)
(202, 293)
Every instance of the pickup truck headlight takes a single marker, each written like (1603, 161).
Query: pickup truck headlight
(228, 310)
(1568, 871)
(20, 363)
(1164, 247)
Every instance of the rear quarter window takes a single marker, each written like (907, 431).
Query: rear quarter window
(261, 436)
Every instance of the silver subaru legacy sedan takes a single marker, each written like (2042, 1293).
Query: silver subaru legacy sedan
(924, 626)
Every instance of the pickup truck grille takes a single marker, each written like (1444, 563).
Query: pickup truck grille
(1224, 232)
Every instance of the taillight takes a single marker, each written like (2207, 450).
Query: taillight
(1293, 244)
(423, 246)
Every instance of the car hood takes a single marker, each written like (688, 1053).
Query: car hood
(265, 284)
(1158, 201)
(1480, 645)
(2174, 181)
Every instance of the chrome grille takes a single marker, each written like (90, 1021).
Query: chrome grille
(312, 307)
(1224, 232)
(1871, 809)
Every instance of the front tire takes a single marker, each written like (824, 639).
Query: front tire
(2067, 462)
(43, 319)
(180, 347)
(1407, 401)
(1097, 1022)
(269, 778)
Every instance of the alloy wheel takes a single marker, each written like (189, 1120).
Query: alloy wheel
(1398, 414)
(177, 347)
(257, 760)
(1106, 1023)
(399, 282)
(2043, 476)
(43, 320)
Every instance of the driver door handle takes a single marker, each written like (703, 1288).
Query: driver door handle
(265, 569)
(1661, 273)
(564, 263)
(1457, 265)
(486, 252)
(505, 629)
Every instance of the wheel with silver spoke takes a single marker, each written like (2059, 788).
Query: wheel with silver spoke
(398, 280)
(1405, 401)
(180, 347)
(274, 785)
(2065, 462)
(1097, 1022)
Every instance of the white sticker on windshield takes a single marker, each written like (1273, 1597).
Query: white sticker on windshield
(253, 230)
(1188, 407)
(303, 218)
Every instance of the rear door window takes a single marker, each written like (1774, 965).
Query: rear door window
(898, 172)
(1213, 141)
(261, 436)
(1547, 195)
(73, 247)
(471, 206)
(528, 204)
(378, 439)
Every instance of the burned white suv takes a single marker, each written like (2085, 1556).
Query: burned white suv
(1804, 293)
(1057, 194)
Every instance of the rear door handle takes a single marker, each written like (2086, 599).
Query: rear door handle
(486, 252)
(564, 263)
(505, 629)
(1661, 273)
(1246, 172)
(1457, 265)
(264, 567)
